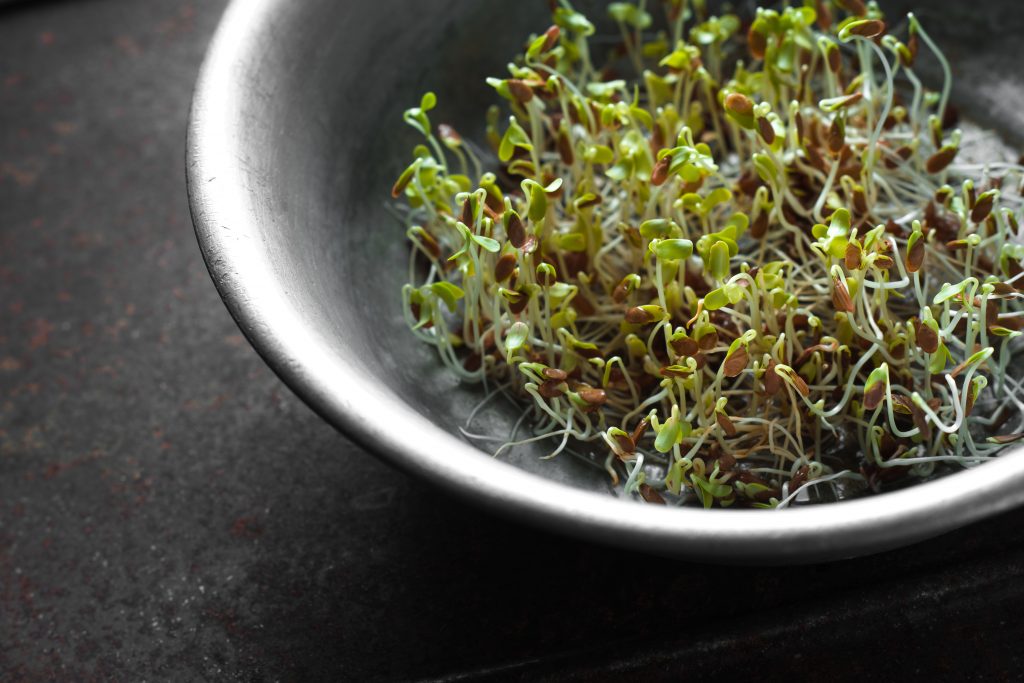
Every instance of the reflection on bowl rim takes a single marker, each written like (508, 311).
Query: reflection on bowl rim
(223, 193)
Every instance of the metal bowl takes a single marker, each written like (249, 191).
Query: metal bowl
(294, 141)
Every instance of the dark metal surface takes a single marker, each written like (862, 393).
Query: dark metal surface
(287, 180)
(169, 511)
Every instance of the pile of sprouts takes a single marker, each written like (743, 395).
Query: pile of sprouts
(738, 263)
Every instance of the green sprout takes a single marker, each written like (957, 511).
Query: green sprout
(748, 269)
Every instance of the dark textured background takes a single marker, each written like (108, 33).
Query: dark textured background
(169, 511)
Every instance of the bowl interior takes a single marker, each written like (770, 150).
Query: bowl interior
(348, 136)
(296, 139)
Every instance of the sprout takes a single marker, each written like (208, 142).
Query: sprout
(673, 249)
(745, 283)
(448, 293)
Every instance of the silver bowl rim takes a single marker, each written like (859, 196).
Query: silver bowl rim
(224, 212)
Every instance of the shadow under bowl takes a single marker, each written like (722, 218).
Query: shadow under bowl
(294, 142)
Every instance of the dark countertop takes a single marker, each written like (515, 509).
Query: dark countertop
(169, 511)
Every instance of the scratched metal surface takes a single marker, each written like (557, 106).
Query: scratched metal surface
(169, 511)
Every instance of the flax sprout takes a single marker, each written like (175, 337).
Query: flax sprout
(738, 264)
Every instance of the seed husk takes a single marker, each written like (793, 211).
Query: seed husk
(852, 258)
(841, 296)
(520, 90)
(913, 44)
(939, 161)
(516, 232)
(555, 374)
(685, 346)
(757, 42)
(736, 362)
(708, 341)
(836, 137)
(650, 495)
(519, 304)
(625, 443)
(824, 15)
(565, 148)
(726, 424)
(772, 381)
(799, 478)
(620, 292)
(550, 38)
(640, 430)
(874, 395)
(765, 129)
(504, 268)
(835, 60)
(915, 256)
(854, 7)
(927, 339)
(800, 384)
(552, 388)
(740, 104)
(660, 173)
(595, 397)
(982, 209)
(638, 316)
(869, 28)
